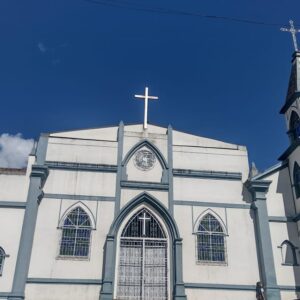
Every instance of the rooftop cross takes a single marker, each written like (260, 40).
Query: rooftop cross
(144, 219)
(293, 32)
(146, 97)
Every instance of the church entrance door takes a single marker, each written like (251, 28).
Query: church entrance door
(143, 259)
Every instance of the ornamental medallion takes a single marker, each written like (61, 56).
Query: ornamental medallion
(144, 160)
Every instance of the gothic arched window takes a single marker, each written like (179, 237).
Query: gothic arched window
(294, 126)
(288, 253)
(2, 258)
(76, 234)
(210, 240)
(296, 177)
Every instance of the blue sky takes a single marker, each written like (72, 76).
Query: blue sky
(75, 64)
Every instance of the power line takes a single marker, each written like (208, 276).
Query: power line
(137, 6)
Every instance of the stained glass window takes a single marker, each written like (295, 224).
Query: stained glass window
(210, 240)
(76, 233)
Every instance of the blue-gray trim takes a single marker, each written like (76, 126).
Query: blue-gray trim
(290, 102)
(64, 281)
(111, 245)
(290, 150)
(119, 171)
(258, 190)
(211, 204)
(270, 171)
(81, 166)
(12, 204)
(297, 217)
(170, 170)
(38, 176)
(79, 197)
(218, 286)
(11, 296)
(143, 185)
(279, 219)
(207, 174)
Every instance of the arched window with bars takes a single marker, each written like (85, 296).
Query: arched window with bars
(296, 178)
(288, 253)
(76, 234)
(210, 239)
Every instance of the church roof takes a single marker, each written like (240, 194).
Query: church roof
(294, 83)
(179, 138)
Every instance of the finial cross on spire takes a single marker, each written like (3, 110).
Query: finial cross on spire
(146, 97)
(293, 32)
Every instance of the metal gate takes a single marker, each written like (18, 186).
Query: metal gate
(143, 260)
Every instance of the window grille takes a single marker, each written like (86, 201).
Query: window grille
(76, 233)
(297, 179)
(2, 258)
(143, 259)
(210, 241)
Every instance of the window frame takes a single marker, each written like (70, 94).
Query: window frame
(296, 184)
(199, 233)
(77, 227)
(294, 252)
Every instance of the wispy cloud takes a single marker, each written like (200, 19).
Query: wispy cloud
(42, 47)
(14, 150)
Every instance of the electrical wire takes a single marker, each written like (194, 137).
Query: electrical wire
(137, 6)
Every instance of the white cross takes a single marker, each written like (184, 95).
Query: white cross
(146, 97)
(144, 219)
(293, 31)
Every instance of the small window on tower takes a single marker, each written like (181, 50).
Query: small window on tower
(288, 253)
(76, 233)
(296, 178)
(294, 126)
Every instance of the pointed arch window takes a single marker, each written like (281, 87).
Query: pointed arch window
(3, 255)
(210, 241)
(76, 234)
(288, 253)
(294, 126)
(296, 177)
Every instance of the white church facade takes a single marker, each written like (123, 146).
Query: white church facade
(143, 212)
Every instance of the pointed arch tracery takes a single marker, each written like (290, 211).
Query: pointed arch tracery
(76, 233)
(210, 240)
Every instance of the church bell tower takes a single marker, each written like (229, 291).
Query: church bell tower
(291, 111)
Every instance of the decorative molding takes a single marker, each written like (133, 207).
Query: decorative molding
(81, 166)
(40, 171)
(279, 219)
(207, 174)
(64, 281)
(217, 286)
(79, 197)
(13, 296)
(13, 204)
(142, 185)
(211, 204)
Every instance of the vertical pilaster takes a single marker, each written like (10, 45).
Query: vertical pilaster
(119, 171)
(38, 177)
(108, 269)
(170, 170)
(179, 289)
(258, 189)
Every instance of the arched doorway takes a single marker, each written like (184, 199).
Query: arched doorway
(142, 268)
